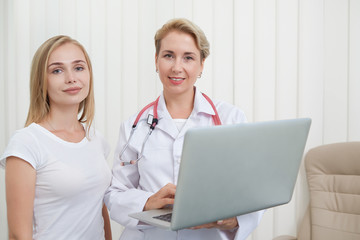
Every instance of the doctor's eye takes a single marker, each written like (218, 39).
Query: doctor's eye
(168, 55)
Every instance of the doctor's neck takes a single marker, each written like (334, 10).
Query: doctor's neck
(180, 106)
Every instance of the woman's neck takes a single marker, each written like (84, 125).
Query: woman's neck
(63, 118)
(64, 124)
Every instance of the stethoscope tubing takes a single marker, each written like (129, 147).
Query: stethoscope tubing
(216, 120)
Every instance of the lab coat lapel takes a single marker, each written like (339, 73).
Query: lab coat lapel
(166, 123)
(201, 105)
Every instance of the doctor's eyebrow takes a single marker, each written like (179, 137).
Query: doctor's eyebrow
(60, 63)
(172, 52)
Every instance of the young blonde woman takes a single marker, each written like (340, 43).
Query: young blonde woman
(145, 176)
(55, 167)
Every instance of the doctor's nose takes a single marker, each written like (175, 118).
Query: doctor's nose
(177, 66)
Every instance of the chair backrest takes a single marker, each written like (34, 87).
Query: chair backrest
(333, 174)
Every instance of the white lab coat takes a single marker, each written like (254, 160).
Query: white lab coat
(132, 185)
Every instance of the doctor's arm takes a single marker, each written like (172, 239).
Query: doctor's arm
(20, 178)
(237, 228)
(123, 196)
(226, 224)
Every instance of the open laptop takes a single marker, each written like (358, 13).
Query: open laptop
(231, 170)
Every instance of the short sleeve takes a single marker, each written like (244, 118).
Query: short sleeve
(25, 146)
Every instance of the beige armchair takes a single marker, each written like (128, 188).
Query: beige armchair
(333, 175)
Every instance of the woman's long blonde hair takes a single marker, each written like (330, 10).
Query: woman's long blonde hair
(39, 100)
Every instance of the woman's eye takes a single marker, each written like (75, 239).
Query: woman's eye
(189, 58)
(56, 71)
(79, 68)
(168, 56)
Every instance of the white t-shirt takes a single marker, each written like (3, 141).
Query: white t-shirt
(179, 122)
(71, 179)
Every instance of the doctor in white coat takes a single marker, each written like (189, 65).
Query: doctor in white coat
(149, 182)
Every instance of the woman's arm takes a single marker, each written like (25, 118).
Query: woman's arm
(20, 179)
(107, 226)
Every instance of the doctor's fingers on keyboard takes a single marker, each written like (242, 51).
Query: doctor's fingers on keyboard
(161, 198)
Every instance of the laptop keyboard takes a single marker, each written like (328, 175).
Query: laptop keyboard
(164, 217)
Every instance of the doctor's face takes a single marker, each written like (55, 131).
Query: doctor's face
(179, 63)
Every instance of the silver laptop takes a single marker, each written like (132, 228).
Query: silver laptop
(231, 170)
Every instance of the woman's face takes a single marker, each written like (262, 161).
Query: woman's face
(178, 63)
(68, 76)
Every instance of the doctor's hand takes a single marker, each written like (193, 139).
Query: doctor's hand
(161, 198)
(226, 224)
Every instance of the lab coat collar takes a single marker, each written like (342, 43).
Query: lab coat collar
(166, 123)
(200, 105)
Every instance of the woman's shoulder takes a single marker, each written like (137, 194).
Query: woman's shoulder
(24, 144)
(95, 133)
(96, 137)
(26, 134)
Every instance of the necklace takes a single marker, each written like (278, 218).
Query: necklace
(53, 129)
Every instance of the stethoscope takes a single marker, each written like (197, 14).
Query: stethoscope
(153, 121)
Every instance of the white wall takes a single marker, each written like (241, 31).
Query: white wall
(275, 59)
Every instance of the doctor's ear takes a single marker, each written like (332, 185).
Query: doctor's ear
(156, 65)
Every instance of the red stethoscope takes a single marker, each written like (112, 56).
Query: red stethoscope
(153, 121)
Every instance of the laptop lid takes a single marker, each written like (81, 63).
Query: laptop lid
(231, 170)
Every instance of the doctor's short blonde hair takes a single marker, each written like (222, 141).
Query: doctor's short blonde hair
(186, 26)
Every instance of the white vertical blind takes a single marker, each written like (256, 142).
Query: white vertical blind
(275, 59)
(354, 70)
(3, 118)
(244, 56)
(222, 50)
(264, 59)
(336, 39)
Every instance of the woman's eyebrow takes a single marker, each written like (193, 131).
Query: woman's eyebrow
(55, 64)
(60, 63)
(79, 61)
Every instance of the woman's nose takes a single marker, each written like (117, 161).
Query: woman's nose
(70, 77)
